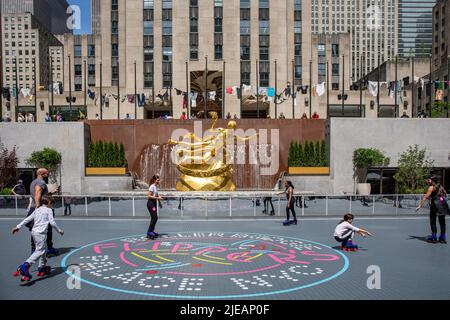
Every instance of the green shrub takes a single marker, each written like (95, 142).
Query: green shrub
(47, 158)
(6, 192)
(414, 167)
(364, 158)
(102, 154)
(309, 154)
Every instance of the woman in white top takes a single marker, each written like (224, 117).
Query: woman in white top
(345, 232)
(152, 206)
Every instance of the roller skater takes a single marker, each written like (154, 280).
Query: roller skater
(290, 207)
(43, 218)
(345, 232)
(152, 206)
(438, 209)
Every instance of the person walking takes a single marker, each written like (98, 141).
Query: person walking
(438, 209)
(43, 219)
(67, 205)
(152, 206)
(290, 207)
(267, 201)
(38, 189)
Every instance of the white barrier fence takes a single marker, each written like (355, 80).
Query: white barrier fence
(197, 206)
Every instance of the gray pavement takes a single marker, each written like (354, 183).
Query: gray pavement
(244, 259)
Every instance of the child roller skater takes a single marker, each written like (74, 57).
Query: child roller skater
(345, 232)
(43, 217)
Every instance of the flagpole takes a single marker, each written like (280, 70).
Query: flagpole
(35, 90)
(51, 82)
(413, 86)
(17, 89)
(70, 88)
(360, 83)
(118, 89)
(206, 88)
(310, 89)
(257, 88)
(343, 83)
(135, 92)
(328, 89)
(378, 93)
(223, 88)
(188, 99)
(101, 91)
(292, 90)
(431, 87)
(448, 85)
(85, 85)
(396, 86)
(240, 98)
(153, 90)
(276, 89)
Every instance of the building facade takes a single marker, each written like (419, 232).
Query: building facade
(441, 46)
(52, 14)
(415, 27)
(372, 26)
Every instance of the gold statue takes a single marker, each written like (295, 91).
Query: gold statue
(200, 170)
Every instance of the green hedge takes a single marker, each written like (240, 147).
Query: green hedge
(309, 154)
(103, 154)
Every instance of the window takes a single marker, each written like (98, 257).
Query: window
(167, 54)
(335, 68)
(77, 51)
(335, 50)
(91, 50)
(91, 69)
(78, 71)
(218, 52)
(321, 50)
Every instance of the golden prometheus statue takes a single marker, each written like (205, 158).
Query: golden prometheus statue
(203, 163)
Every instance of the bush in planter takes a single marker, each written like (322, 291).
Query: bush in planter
(363, 159)
(49, 159)
(311, 154)
(6, 192)
(103, 154)
(8, 167)
(414, 167)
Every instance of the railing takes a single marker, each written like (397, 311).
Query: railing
(235, 206)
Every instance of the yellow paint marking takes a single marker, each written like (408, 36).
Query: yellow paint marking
(215, 262)
(217, 258)
(164, 259)
(251, 258)
(144, 258)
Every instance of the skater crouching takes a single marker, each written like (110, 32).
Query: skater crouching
(345, 232)
(152, 206)
(43, 217)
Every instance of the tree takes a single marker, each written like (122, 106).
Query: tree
(414, 167)
(291, 157)
(49, 159)
(323, 154)
(363, 159)
(8, 167)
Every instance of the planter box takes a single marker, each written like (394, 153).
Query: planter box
(309, 171)
(106, 171)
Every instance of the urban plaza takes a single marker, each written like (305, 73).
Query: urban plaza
(222, 156)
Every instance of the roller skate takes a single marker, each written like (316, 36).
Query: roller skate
(152, 236)
(294, 222)
(349, 247)
(24, 271)
(52, 252)
(432, 239)
(286, 223)
(44, 271)
(443, 239)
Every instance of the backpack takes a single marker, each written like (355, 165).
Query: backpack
(441, 201)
